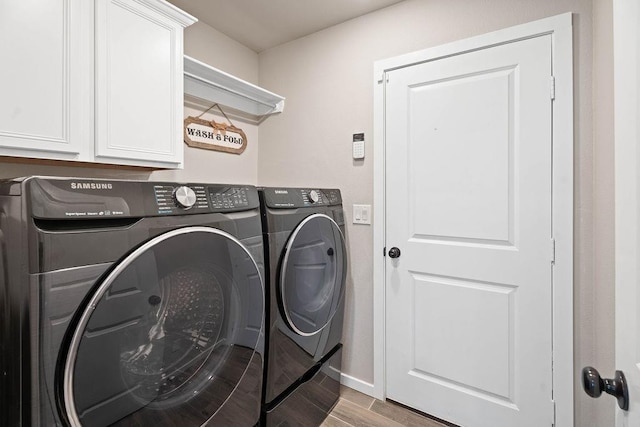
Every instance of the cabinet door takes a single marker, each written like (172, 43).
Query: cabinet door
(45, 78)
(139, 84)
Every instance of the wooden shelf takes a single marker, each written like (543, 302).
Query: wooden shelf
(208, 83)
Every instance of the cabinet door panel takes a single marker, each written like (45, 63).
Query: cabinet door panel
(45, 79)
(138, 85)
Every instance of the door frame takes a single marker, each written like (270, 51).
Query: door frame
(560, 28)
(626, 65)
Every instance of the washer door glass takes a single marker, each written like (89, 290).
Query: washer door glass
(312, 274)
(168, 333)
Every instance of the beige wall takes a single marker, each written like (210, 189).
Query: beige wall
(327, 79)
(208, 45)
(598, 352)
(216, 49)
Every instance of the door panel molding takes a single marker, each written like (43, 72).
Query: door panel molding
(560, 29)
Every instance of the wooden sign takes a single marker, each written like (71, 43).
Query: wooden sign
(210, 135)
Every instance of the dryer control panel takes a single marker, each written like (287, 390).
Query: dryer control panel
(300, 197)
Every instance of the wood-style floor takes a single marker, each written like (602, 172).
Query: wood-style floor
(355, 409)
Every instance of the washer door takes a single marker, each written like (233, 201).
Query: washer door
(312, 274)
(167, 335)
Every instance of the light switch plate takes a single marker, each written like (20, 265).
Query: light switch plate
(362, 214)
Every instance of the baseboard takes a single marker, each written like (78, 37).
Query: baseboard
(358, 385)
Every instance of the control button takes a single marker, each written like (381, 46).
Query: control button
(185, 197)
(313, 196)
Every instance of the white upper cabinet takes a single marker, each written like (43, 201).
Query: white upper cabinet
(45, 80)
(139, 83)
(93, 81)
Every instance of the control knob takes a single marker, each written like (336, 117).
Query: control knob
(185, 197)
(313, 196)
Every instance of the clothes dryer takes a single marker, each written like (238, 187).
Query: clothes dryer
(306, 261)
(130, 303)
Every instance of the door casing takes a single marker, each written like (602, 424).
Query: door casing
(560, 28)
(626, 64)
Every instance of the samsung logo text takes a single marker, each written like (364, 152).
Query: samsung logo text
(91, 186)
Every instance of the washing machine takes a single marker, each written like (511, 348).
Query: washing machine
(130, 303)
(306, 263)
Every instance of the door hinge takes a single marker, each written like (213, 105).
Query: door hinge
(553, 412)
(552, 84)
(384, 78)
(553, 251)
(384, 251)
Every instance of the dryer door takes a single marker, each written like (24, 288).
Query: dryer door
(312, 274)
(167, 335)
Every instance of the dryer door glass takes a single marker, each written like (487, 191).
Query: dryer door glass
(312, 274)
(168, 334)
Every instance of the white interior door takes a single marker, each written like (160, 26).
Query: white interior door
(627, 164)
(468, 205)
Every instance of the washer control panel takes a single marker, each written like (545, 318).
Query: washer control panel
(229, 198)
(198, 198)
(79, 199)
(172, 199)
(185, 197)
